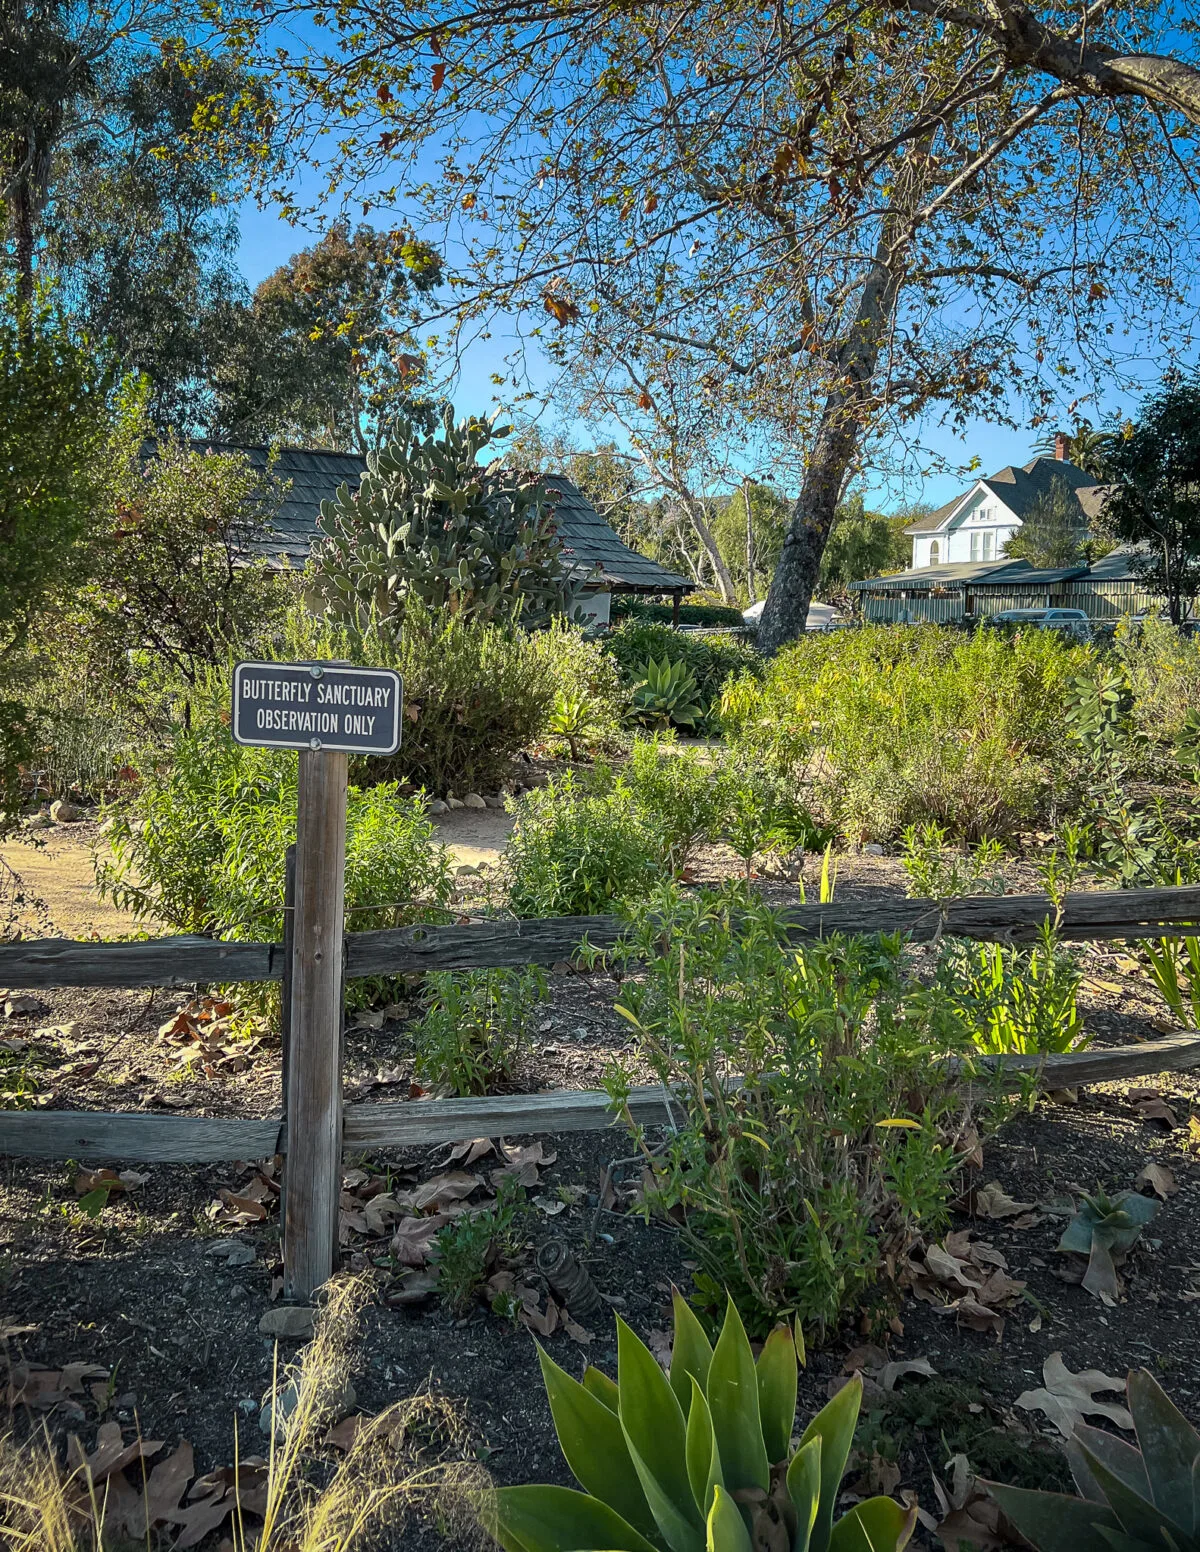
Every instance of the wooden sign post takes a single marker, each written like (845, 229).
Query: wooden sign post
(324, 711)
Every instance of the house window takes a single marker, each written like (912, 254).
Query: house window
(935, 553)
(982, 545)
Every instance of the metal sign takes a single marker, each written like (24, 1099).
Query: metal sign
(317, 706)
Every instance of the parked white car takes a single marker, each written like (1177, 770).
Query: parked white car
(1071, 622)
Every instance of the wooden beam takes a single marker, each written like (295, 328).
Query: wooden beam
(37, 963)
(1094, 916)
(173, 1139)
(482, 945)
(100, 1136)
(314, 1099)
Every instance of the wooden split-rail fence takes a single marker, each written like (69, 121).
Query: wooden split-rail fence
(46, 963)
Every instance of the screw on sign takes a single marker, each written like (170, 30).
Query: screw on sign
(325, 711)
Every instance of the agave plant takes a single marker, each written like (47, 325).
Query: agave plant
(665, 694)
(1133, 1500)
(573, 718)
(697, 1462)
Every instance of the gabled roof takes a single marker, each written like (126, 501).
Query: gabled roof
(1115, 567)
(1020, 488)
(314, 475)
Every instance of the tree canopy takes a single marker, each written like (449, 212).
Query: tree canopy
(818, 221)
(1053, 532)
(1155, 502)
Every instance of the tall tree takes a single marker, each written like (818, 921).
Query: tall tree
(324, 353)
(1155, 500)
(140, 229)
(1053, 532)
(831, 216)
(861, 544)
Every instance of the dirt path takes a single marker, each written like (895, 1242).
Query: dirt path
(475, 835)
(56, 869)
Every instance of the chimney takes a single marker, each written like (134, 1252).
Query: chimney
(1060, 446)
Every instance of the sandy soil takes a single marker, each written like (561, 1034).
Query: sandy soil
(55, 866)
(475, 835)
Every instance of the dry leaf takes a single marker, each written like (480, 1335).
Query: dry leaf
(470, 1152)
(453, 1186)
(343, 1434)
(992, 1201)
(1160, 1180)
(1151, 1106)
(1068, 1398)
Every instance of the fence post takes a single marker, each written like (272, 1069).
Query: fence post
(313, 1167)
(285, 1002)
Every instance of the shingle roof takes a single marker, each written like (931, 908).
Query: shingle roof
(1020, 488)
(1115, 567)
(314, 475)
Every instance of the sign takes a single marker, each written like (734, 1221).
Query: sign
(317, 706)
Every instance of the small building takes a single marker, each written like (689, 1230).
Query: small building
(974, 528)
(970, 590)
(597, 557)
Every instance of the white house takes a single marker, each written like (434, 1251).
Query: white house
(976, 525)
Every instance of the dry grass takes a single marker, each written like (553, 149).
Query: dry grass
(407, 1459)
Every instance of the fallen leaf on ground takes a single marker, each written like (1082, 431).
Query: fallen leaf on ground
(453, 1186)
(470, 1152)
(342, 1435)
(1068, 1398)
(969, 1515)
(992, 1201)
(1159, 1178)
(1151, 1106)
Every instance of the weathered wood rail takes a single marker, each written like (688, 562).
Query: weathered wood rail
(497, 944)
(1095, 916)
(168, 1139)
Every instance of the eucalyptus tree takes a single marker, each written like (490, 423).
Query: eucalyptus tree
(828, 217)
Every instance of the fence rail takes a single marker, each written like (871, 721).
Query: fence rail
(1096, 916)
(97, 1136)
(43, 963)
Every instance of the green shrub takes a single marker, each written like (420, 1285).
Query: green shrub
(1014, 1001)
(626, 606)
(468, 1249)
(680, 796)
(835, 1150)
(200, 846)
(1163, 669)
(1135, 1499)
(896, 725)
(936, 871)
(701, 1461)
(475, 1026)
(584, 674)
(474, 694)
(712, 660)
(575, 849)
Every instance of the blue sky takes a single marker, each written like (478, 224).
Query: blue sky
(267, 241)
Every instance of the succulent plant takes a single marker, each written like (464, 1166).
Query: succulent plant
(1131, 1499)
(699, 1461)
(1104, 1230)
(573, 718)
(666, 693)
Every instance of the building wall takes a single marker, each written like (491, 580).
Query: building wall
(1099, 600)
(978, 532)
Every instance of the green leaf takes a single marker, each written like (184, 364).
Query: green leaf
(594, 1446)
(777, 1382)
(1137, 1514)
(1121, 1459)
(878, 1525)
(691, 1351)
(804, 1489)
(598, 1384)
(726, 1529)
(652, 1421)
(1052, 1521)
(1170, 1447)
(733, 1399)
(834, 1426)
(703, 1457)
(555, 1519)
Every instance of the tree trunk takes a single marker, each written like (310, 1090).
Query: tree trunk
(704, 533)
(751, 580)
(838, 439)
